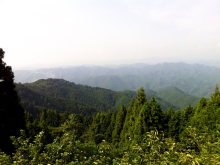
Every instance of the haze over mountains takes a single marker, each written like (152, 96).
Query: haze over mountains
(193, 79)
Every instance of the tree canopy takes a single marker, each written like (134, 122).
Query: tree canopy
(11, 111)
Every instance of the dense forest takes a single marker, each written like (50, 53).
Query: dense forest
(61, 95)
(140, 133)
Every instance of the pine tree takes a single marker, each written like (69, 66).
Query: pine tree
(12, 118)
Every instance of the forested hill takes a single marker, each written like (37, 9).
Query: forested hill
(61, 95)
(197, 80)
(176, 97)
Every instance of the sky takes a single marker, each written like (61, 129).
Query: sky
(54, 33)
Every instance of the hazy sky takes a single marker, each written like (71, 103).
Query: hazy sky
(43, 33)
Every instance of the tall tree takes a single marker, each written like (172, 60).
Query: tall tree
(207, 112)
(167, 117)
(141, 123)
(174, 125)
(156, 115)
(119, 124)
(141, 97)
(110, 129)
(12, 117)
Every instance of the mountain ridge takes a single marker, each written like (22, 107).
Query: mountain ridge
(61, 95)
(196, 79)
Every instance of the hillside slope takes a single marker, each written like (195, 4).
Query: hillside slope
(177, 97)
(61, 95)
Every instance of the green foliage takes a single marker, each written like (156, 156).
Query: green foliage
(99, 138)
(207, 113)
(155, 149)
(174, 125)
(141, 117)
(110, 129)
(119, 124)
(141, 125)
(4, 158)
(53, 118)
(187, 114)
(135, 136)
(73, 125)
(141, 97)
(156, 115)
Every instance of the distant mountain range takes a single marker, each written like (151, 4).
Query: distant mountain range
(195, 79)
(61, 95)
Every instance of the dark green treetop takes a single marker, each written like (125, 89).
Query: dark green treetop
(12, 117)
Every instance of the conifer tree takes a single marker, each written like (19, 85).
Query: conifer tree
(202, 103)
(186, 116)
(167, 117)
(127, 124)
(216, 93)
(12, 117)
(73, 126)
(31, 125)
(130, 124)
(94, 127)
(156, 115)
(119, 124)
(105, 123)
(208, 113)
(135, 122)
(53, 118)
(174, 125)
(110, 129)
(141, 126)
(43, 117)
(141, 97)
(199, 108)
